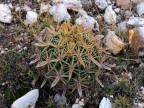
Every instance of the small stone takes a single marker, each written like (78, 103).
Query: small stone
(117, 10)
(76, 106)
(60, 13)
(44, 8)
(140, 8)
(123, 3)
(86, 4)
(5, 13)
(81, 103)
(26, 8)
(25, 48)
(10, 6)
(105, 103)
(122, 26)
(110, 16)
(113, 42)
(61, 100)
(136, 21)
(2, 52)
(127, 14)
(27, 100)
(17, 9)
(102, 4)
(88, 22)
(31, 17)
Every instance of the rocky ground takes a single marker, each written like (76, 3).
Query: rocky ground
(119, 24)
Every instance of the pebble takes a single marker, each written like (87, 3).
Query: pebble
(5, 14)
(122, 26)
(110, 16)
(31, 17)
(59, 99)
(117, 10)
(87, 21)
(140, 8)
(127, 14)
(136, 21)
(105, 103)
(113, 42)
(44, 8)
(60, 13)
(102, 4)
(28, 100)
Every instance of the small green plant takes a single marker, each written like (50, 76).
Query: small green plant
(69, 55)
(122, 102)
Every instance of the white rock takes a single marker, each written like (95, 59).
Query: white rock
(81, 103)
(76, 106)
(102, 4)
(27, 100)
(10, 6)
(17, 9)
(110, 16)
(44, 7)
(140, 8)
(31, 17)
(139, 105)
(59, 99)
(87, 21)
(136, 21)
(141, 32)
(5, 13)
(105, 103)
(60, 13)
(26, 7)
(122, 26)
(73, 4)
(117, 10)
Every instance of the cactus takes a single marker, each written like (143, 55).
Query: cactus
(69, 54)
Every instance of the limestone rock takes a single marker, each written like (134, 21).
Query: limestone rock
(110, 16)
(44, 8)
(59, 99)
(122, 2)
(31, 17)
(102, 4)
(73, 4)
(5, 13)
(105, 103)
(76, 106)
(27, 101)
(113, 43)
(136, 21)
(122, 26)
(60, 13)
(140, 8)
(87, 21)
